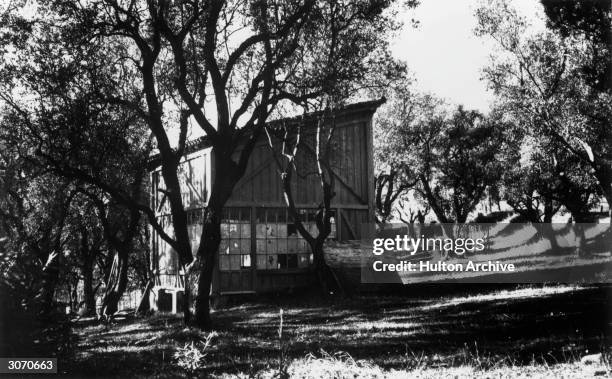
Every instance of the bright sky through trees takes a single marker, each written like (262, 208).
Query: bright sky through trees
(443, 53)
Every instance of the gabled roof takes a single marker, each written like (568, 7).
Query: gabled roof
(204, 142)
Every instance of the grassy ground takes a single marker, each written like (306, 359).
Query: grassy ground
(433, 332)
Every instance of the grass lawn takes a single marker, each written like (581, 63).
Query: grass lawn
(435, 331)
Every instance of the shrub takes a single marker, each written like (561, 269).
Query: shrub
(191, 356)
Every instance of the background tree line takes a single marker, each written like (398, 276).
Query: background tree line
(544, 146)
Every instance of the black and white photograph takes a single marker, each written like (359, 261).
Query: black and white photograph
(306, 188)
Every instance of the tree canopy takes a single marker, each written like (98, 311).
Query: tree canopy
(550, 81)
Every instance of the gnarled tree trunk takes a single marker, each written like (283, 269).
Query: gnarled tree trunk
(116, 283)
(211, 238)
(87, 256)
(50, 275)
(89, 305)
(227, 174)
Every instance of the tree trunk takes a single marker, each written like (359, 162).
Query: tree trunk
(549, 210)
(328, 281)
(186, 297)
(580, 239)
(548, 232)
(421, 217)
(87, 256)
(207, 252)
(227, 174)
(89, 306)
(580, 218)
(50, 275)
(116, 283)
(431, 200)
(608, 197)
(603, 173)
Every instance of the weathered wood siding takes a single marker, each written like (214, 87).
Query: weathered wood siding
(261, 184)
(194, 177)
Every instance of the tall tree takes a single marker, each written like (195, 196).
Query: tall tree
(395, 158)
(458, 163)
(309, 147)
(527, 180)
(345, 73)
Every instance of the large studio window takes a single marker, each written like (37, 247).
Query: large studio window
(279, 245)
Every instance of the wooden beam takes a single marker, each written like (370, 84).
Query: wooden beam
(350, 189)
(348, 224)
(265, 164)
(369, 138)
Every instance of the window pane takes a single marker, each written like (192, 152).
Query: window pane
(261, 246)
(234, 231)
(225, 230)
(245, 261)
(245, 246)
(262, 262)
(271, 263)
(271, 231)
(292, 230)
(234, 262)
(292, 261)
(282, 260)
(245, 230)
(281, 246)
(224, 262)
(261, 230)
(234, 246)
(292, 245)
(282, 230)
(223, 247)
(271, 246)
(303, 260)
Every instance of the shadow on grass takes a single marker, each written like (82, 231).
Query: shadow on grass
(554, 324)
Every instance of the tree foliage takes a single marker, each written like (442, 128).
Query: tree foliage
(551, 81)
(58, 118)
(590, 19)
(448, 158)
(459, 162)
(395, 159)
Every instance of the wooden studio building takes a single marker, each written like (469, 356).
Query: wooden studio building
(261, 250)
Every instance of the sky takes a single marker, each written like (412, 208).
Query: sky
(445, 56)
